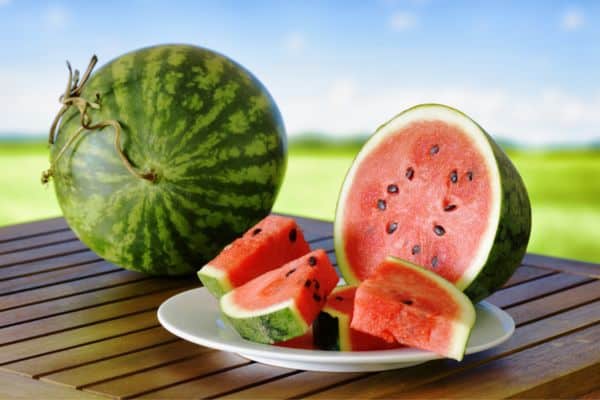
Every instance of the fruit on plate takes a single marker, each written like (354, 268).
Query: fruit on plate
(269, 244)
(402, 302)
(431, 186)
(305, 342)
(332, 331)
(164, 155)
(281, 304)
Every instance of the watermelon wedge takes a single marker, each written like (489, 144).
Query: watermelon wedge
(269, 244)
(431, 186)
(402, 302)
(281, 304)
(332, 331)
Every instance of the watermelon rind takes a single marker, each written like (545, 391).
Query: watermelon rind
(463, 323)
(505, 239)
(329, 316)
(272, 324)
(215, 280)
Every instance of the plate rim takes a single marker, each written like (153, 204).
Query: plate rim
(406, 354)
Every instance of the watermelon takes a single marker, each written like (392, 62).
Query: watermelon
(332, 331)
(271, 243)
(281, 304)
(200, 157)
(431, 186)
(402, 302)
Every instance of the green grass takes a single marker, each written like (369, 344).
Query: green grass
(564, 187)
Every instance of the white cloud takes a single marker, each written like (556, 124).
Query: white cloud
(544, 117)
(572, 20)
(294, 43)
(56, 17)
(403, 21)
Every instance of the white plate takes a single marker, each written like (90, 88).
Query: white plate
(194, 316)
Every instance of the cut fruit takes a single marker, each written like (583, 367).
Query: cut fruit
(402, 302)
(332, 331)
(432, 187)
(305, 342)
(283, 303)
(269, 244)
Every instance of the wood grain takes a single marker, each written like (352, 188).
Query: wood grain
(37, 241)
(29, 229)
(35, 267)
(560, 264)
(42, 252)
(18, 387)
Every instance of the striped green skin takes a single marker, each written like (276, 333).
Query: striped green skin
(210, 131)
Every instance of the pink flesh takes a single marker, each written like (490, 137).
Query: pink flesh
(418, 206)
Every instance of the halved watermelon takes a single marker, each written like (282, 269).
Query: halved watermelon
(332, 331)
(402, 302)
(431, 186)
(269, 244)
(283, 303)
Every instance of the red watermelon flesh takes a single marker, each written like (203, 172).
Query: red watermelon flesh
(300, 342)
(340, 305)
(402, 302)
(271, 243)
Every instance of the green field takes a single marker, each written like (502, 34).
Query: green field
(564, 187)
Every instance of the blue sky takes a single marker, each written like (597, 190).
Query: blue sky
(527, 71)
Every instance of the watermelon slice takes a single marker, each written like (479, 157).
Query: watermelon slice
(281, 304)
(432, 187)
(402, 302)
(271, 243)
(332, 331)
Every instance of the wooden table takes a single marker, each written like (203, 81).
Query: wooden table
(75, 326)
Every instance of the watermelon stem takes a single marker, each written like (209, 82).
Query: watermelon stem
(72, 97)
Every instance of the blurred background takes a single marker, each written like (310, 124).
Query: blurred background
(528, 72)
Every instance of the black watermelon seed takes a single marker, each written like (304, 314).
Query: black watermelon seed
(439, 230)
(453, 176)
(434, 261)
(312, 261)
(416, 249)
(407, 302)
(470, 175)
(392, 227)
(381, 204)
(317, 286)
(392, 188)
(293, 235)
(410, 173)
(450, 207)
(434, 149)
(256, 231)
(316, 297)
(291, 271)
(307, 283)
(339, 298)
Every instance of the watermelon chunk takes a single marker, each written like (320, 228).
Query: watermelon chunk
(431, 186)
(281, 304)
(269, 244)
(402, 302)
(332, 331)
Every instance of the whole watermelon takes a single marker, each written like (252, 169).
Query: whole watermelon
(206, 131)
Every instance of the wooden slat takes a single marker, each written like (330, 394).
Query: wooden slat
(564, 265)
(37, 241)
(143, 382)
(219, 384)
(18, 387)
(594, 394)
(537, 288)
(93, 352)
(42, 252)
(314, 228)
(119, 277)
(384, 383)
(29, 229)
(126, 364)
(77, 337)
(55, 276)
(89, 299)
(47, 264)
(525, 274)
(563, 367)
(88, 316)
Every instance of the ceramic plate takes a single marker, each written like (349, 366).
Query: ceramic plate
(194, 316)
